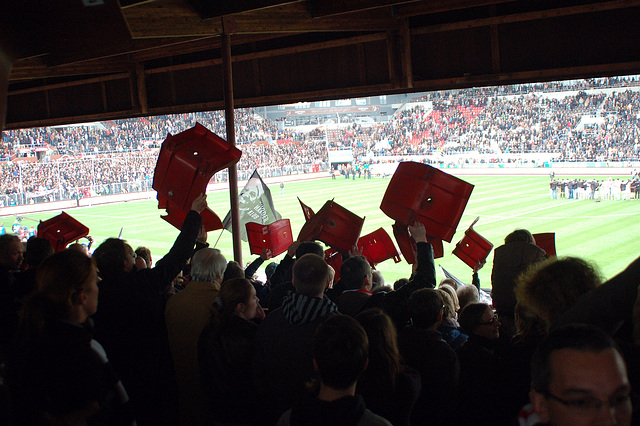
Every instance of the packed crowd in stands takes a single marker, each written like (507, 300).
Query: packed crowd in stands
(484, 123)
(111, 337)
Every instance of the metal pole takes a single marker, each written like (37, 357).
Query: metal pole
(231, 139)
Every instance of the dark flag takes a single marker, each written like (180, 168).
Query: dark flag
(484, 296)
(450, 275)
(254, 205)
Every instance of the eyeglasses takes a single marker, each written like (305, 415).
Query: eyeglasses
(492, 321)
(591, 404)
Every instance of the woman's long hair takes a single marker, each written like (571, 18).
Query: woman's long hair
(385, 362)
(60, 278)
(232, 292)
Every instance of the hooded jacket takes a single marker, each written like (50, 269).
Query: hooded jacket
(283, 355)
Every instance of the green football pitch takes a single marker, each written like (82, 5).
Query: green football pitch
(605, 233)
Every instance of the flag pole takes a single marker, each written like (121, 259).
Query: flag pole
(219, 236)
(227, 26)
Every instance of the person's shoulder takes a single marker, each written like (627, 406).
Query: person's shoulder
(409, 377)
(369, 418)
(273, 319)
(285, 418)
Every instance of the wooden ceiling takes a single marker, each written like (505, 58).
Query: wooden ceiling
(85, 60)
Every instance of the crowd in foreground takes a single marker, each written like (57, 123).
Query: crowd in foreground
(112, 338)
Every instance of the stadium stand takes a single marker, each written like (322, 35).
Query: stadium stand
(582, 120)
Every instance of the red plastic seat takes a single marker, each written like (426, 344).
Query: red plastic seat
(306, 210)
(418, 192)
(333, 259)
(175, 216)
(61, 230)
(473, 247)
(334, 225)
(186, 163)
(275, 237)
(547, 242)
(408, 245)
(378, 247)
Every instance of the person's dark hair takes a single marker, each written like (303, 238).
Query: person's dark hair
(528, 324)
(467, 294)
(399, 283)
(144, 253)
(551, 287)
(232, 292)
(270, 269)
(579, 337)
(384, 357)
(307, 247)
(310, 274)
(110, 257)
(60, 278)
(470, 316)
(520, 235)
(6, 240)
(341, 350)
(38, 249)
(353, 270)
(424, 305)
(233, 270)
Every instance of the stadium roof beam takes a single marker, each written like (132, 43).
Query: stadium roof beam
(103, 59)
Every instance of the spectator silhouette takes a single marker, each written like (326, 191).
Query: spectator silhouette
(282, 361)
(59, 374)
(340, 354)
(389, 387)
(130, 323)
(225, 352)
(186, 314)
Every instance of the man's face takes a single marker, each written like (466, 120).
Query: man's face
(130, 258)
(12, 258)
(586, 388)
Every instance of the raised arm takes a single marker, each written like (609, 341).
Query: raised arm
(424, 275)
(169, 266)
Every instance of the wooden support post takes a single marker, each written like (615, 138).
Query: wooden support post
(141, 87)
(6, 63)
(231, 139)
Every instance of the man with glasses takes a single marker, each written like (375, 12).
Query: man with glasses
(579, 378)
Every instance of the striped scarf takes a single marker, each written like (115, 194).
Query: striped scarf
(300, 309)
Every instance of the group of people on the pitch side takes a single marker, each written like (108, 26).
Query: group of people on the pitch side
(593, 189)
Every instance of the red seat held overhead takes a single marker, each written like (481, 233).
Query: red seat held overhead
(175, 215)
(275, 237)
(333, 259)
(186, 163)
(61, 230)
(473, 248)
(334, 225)
(547, 242)
(306, 210)
(378, 247)
(419, 192)
(408, 245)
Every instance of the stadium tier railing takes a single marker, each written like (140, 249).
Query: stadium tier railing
(66, 193)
